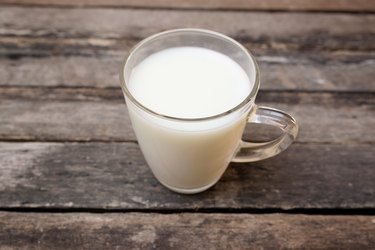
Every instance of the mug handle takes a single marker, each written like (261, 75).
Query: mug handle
(252, 151)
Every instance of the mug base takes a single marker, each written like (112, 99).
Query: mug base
(188, 191)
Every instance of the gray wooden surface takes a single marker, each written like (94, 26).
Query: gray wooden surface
(184, 231)
(115, 175)
(72, 175)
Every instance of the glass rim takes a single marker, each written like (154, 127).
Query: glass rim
(143, 42)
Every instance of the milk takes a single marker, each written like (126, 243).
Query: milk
(188, 82)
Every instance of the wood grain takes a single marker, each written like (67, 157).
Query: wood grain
(184, 231)
(114, 94)
(309, 71)
(338, 31)
(59, 84)
(115, 176)
(291, 5)
(322, 118)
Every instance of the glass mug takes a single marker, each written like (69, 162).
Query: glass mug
(189, 155)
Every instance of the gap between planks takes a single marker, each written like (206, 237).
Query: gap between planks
(250, 5)
(19, 46)
(229, 210)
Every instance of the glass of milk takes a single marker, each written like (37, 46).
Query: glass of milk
(190, 93)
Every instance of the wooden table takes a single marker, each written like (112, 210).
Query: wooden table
(72, 175)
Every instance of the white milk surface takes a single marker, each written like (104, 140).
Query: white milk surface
(188, 82)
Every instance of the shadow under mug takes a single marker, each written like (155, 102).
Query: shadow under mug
(190, 155)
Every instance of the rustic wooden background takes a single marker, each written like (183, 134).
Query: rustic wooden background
(72, 175)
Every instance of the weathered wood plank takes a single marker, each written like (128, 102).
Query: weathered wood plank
(279, 71)
(310, 5)
(332, 31)
(115, 175)
(82, 121)
(324, 118)
(114, 94)
(184, 231)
